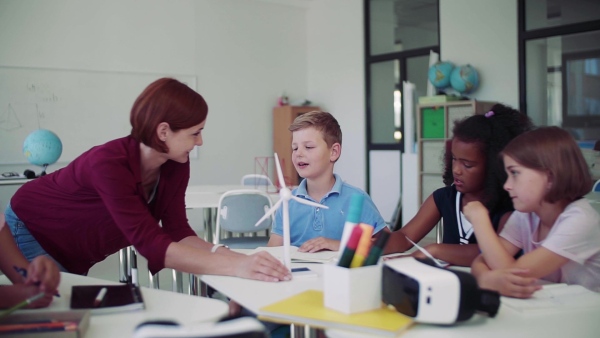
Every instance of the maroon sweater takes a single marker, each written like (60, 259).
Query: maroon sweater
(95, 206)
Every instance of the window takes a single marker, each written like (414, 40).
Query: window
(559, 56)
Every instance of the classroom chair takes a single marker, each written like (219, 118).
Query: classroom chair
(256, 180)
(596, 187)
(238, 212)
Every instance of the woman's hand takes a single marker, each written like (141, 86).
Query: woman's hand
(318, 244)
(262, 266)
(510, 282)
(44, 272)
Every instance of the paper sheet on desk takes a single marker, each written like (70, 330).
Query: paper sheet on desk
(298, 257)
(555, 298)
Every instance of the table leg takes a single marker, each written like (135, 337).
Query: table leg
(177, 281)
(194, 288)
(123, 265)
(153, 281)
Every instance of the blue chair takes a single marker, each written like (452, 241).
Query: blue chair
(238, 212)
(596, 187)
(256, 180)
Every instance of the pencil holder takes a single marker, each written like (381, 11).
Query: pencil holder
(352, 290)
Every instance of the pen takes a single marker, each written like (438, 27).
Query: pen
(350, 248)
(21, 304)
(377, 249)
(363, 246)
(100, 297)
(23, 273)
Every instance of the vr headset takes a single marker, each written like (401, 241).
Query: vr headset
(419, 289)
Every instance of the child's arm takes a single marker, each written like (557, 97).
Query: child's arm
(511, 282)
(11, 295)
(455, 254)
(10, 255)
(498, 253)
(419, 226)
(275, 240)
(318, 244)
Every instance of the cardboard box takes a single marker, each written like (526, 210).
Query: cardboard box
(352, 290)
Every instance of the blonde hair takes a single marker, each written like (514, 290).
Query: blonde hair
(323, 122)
(554, 151)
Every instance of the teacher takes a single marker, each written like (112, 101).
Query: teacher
(131, 191)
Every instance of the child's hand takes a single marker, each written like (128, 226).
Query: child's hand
(475, 212)
(43, 271)
(510, 282)
(20, 292)
(318, 244)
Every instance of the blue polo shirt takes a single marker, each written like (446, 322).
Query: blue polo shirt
(307, 222)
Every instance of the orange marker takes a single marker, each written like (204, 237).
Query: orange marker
(364, 244)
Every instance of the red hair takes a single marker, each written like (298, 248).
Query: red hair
(165, 100)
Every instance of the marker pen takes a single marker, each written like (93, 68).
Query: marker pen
(377, 249)
(100, 297)
(352, 219)
(363, 246)
(351, 246)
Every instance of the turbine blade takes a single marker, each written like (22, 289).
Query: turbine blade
(269, 213)
(279, 172)
(307, 202)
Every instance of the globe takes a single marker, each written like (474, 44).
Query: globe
(439, 74)
(42, 147)
(464, 79)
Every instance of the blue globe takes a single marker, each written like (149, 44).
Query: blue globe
(439, 74)
(42, 147)
(464, 79)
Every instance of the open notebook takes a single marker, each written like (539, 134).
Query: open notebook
(300, 257)
(554, 298)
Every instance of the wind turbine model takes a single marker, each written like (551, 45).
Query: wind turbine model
(284, 197)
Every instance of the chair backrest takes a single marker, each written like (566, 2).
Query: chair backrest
(256, 180)
(596, 187)
(239, 210)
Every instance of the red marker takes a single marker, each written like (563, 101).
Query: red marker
(364, 244)
(350, 248)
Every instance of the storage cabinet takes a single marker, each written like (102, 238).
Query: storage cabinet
(434, 127)
(282, 140)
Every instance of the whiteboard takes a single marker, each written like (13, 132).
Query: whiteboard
(84, 108)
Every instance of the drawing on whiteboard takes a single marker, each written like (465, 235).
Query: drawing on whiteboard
(9, 119)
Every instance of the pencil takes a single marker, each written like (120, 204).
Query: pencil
(21, 304)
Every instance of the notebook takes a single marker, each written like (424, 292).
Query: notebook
(116, 298)
(554, 298)
(307, 308)
(300, 257)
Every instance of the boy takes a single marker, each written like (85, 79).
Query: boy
(316, 146)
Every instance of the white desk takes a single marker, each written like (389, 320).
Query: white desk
(160, 304)
(508, 323)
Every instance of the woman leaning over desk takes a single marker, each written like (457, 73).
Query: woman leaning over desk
(116, 194)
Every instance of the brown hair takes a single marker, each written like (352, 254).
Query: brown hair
(323, 122)
(554, 151)
(165, 100)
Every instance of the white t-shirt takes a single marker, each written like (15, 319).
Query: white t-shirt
(575, 235)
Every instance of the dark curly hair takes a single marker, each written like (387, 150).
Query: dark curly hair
(492, 132)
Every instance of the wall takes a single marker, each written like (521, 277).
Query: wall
(336, 76)
(242, 64)
(484, 34)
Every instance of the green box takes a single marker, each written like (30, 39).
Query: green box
(432, 125)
